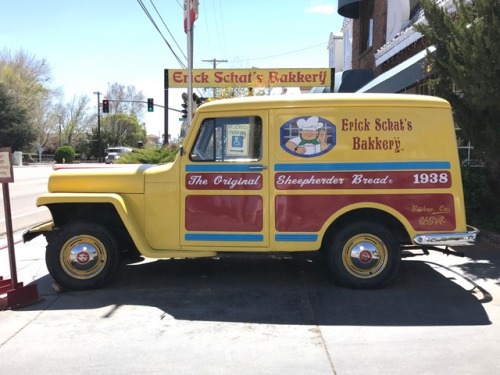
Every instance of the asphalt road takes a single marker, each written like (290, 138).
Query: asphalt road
(29, 182)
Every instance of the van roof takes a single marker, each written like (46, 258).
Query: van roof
(319, 100)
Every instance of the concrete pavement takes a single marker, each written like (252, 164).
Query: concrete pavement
(258, 315)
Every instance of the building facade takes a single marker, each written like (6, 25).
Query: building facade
(379, 36)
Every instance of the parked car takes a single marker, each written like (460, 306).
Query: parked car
(114, 153)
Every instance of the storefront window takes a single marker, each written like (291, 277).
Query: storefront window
(366, 25)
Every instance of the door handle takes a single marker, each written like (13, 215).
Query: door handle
(258, 167)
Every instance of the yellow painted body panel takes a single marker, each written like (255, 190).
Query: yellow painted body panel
(103, 180)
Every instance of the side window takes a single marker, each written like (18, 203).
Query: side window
(229, 139)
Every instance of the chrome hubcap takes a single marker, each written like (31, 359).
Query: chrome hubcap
(83, 257)
(365, 256)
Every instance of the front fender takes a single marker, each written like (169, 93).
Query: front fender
(128, 220)
(85, 198)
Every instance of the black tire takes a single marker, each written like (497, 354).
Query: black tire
(364, 256)
(82, 256)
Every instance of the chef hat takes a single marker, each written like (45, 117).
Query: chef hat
(311, 123)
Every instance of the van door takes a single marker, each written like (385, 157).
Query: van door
(224, 199)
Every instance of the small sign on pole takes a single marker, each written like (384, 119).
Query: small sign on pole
(17, 295)
(6, 171)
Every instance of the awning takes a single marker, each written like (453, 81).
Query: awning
(347, 81)
(351, 80)
(349, 8)
(401, 76)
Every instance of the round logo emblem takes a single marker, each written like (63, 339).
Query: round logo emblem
(365, 256)
(83, 257)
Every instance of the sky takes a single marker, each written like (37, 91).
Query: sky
(91, 44)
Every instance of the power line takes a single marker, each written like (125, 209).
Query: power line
(216, 22)
(207, 31)
(156, 27)
(222, 25)
(281, 54)
(166, 27)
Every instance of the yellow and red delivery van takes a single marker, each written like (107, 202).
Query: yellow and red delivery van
(358, 177)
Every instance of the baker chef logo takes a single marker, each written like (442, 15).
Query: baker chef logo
(312, 137)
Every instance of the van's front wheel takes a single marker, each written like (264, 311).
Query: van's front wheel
(82, 256)
(364, 255)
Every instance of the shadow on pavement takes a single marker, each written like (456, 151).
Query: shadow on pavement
(484, 261)
(278, 289)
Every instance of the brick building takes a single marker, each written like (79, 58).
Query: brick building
(379, 39)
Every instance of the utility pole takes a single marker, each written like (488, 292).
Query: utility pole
(59, 117)
(214, 62)
(98, 93)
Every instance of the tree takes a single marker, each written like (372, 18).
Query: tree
(27, 79)
(116, 130)
(467, 43)
(467, 74)
(13, 130)
(75, 120)
(49, 125)
(127, 100)
(121, 130)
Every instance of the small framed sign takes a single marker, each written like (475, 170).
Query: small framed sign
(6, 171)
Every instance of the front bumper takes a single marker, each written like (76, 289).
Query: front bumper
(34, 232)
(448, 239)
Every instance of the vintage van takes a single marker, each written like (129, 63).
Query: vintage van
(361, 178)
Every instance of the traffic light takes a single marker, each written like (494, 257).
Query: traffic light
(105, 106)
(197, 101)
(150, 105)
(184, 105)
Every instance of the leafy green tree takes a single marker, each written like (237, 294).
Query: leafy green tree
(27, 79)
(467, 69)
(467, 74)
(121, 129)
(13, 130)
(116, 130)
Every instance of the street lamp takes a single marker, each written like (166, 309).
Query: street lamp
(98, 93)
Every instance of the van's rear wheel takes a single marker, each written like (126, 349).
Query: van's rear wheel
(82, 256)
(364, 255)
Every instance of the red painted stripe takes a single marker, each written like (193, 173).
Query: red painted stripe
(363, 180)
(223, 181)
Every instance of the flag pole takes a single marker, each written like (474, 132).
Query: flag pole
(190, 64)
